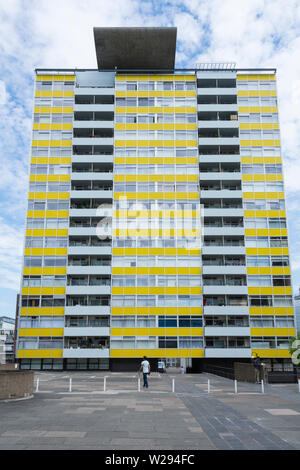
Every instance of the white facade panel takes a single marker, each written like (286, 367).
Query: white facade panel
(223, 290)
(226, 331)
(88, 290)
(85, 353)
(92, 176)
(232, 123)
(89, 331)
(88, 269)
(93, 141)
(89, 250)
(80, 310)
(96, 194)
(228, 353)
(94, 107)
(219, 141)
(233, 270)
(93, 124)
(226, 310)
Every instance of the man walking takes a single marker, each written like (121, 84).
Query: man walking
(257, 365)
(145, 367)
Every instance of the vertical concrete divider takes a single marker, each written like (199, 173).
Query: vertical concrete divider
(173, 385)
(208, 386)
(262, 387)
(37, 385)
(235, 386)
(70, 385)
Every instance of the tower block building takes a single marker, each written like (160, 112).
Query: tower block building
(156, 219)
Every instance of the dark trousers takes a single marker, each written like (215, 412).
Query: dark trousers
(145, 376)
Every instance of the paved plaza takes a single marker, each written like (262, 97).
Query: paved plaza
(103, 410)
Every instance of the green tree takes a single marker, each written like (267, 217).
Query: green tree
(295, 351)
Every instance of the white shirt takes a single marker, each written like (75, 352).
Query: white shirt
(145, 364)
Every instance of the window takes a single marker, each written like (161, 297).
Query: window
(263, 343)
(167, 321)
(281, 281)
(33, 242)
(283, 301)
(279, 261)
(194, 342)
(261, 322)
(262, 281)
(28, 343)
(167, 342)
(260, 301)
(32, 261)
(258, 261)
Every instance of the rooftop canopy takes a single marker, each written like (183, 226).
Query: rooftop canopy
(135, 48)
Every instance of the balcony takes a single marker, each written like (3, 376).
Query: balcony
(217, 91)
(93, 107)
(102, 211)
(202, 107)
(209, 123)
(225, 289)
(213, 118)
(74, 352)
(82, 118)
(227, 331)
(95, 269)
(223, 250)
(223, 211)
(104, 249)
(102, 157)
(86, 123)
(91, 148)
(83, 91)
(216, 79)
(214, 157)
(94, 141)
(91, 194)
(86, 331)
(88, 290)
(219, 175)
(217, 149)
(234, 231)
(226, 310)
(228, 352)
(90, 310)
(104, 230)
(234, 270)
(218, 141)
(85, 176)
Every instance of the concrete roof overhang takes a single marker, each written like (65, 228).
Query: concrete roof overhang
(135, 48)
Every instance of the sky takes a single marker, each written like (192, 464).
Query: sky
(59, 33)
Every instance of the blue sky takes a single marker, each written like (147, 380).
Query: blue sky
(60, 34)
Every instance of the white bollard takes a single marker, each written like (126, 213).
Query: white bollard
(37, 385)
(262, 387)
(139, 385)
(173, 385)
(104, 384)
(208, 386)
(235, 386)
(299, 385)
(70, 385)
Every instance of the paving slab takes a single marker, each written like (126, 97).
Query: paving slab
(191, 418)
